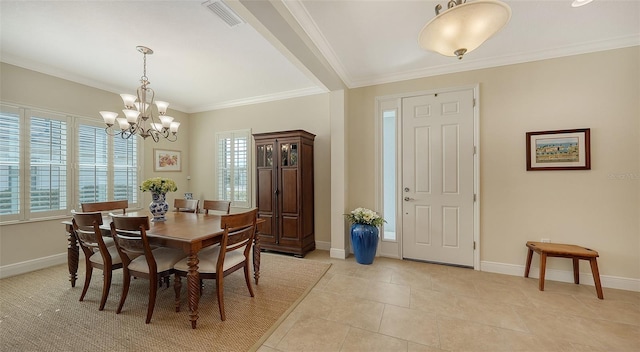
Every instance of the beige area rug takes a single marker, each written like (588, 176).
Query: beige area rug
(39, 311)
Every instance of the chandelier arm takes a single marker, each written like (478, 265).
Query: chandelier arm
(154, 135)
(175, 137)
(106, 130)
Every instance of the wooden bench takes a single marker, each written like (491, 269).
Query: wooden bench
(564, 251)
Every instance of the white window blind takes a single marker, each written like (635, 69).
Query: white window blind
(36, 163)
(107, 166)
(10, 190)
(233, 174)
(92, 164)
(47, 163)
(125, 169)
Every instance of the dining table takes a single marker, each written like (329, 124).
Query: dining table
(187, 231)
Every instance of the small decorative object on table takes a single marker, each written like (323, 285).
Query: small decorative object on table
(158, 186)
(364, 233)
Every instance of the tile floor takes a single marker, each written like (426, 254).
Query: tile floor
(395, 305)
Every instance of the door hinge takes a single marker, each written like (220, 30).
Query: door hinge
(474, 102)
(474, 245)
(475, 150)
(474, 197)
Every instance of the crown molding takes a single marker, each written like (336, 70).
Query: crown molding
(457, 66)
(258, 99)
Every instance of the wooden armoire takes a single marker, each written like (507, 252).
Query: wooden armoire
(284, 194)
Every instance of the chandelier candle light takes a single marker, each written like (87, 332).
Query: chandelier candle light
(463, 26)
(139, 115)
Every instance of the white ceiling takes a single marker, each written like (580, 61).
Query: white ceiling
(286, 48)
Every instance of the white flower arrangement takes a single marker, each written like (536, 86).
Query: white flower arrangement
(365, 216)
(159, 185)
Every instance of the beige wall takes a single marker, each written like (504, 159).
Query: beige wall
(596, 208)
(32, 89)
(309, 113)
(599, 208)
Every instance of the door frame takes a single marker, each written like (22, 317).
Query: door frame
(393, 249)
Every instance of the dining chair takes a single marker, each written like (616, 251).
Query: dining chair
(96, 253)
(105, 206)
(219, 205)
(186, 205)
(233, 254)
(138, 259)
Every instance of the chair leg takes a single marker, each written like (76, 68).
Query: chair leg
(126, 281)
(165, 280)
(106, 286)
(87, 280)
(247, 278)
(220, 294)
(153, 290)
(177, 286)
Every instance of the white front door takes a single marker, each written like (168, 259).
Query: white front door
(438, 177)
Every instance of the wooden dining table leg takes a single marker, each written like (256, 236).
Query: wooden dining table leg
(73, 255)
(193, 288)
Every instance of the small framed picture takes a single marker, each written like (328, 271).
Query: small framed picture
(559, 150)
(166, 160)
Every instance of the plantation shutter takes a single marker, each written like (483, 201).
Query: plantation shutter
(47, 163)
(125, 169)
(233, 158)
(9, 162)
(92, 164)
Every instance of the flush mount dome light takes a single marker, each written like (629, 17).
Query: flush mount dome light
(578, 3)
(463, 26)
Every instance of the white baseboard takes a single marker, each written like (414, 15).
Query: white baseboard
(337, 253)
(32, 265)
(616, 282)
(325, 246)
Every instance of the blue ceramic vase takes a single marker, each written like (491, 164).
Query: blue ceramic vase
(158, 206)
(364, 239)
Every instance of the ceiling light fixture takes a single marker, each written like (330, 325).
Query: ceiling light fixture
(578, 3)
(138, 112)
(463, 26)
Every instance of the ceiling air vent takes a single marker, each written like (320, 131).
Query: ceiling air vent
(224, 12)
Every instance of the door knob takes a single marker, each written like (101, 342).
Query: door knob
(406, 199)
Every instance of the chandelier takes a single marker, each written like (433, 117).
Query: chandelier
(463, 26)
(139, 115)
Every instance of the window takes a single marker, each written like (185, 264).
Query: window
(36, 160)
(10, 186)
(389, 172)
(232, 167)
(47, 163)
(92, 164)
(33, 183)
(107, 165)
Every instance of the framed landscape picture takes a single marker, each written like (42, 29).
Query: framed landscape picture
(559, 150)
(166, 160)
